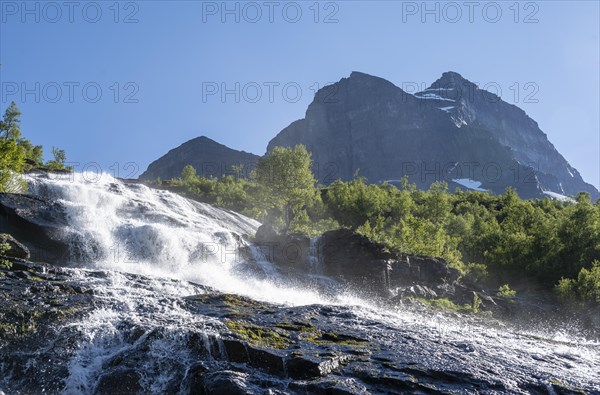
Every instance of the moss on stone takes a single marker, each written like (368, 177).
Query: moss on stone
(297, 326)
(441, 304)
(65, 312)
(566, 388)
(5, 264)
(259, 336)
(7, 329)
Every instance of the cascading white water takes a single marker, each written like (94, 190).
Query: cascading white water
(135, 229)
(130, 228)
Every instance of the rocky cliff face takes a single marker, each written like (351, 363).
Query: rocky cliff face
(452, 132)
(208, 157)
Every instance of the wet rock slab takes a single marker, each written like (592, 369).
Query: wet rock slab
(229, 344)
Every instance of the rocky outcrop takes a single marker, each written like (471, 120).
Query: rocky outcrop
(354, 260)
(368, 265)
(38, 223)
(291, 251)
(209, 158)
(16, 249)
(61, 332)
(452, 132)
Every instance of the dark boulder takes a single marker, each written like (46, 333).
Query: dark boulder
(415, 269)
(267, 360)
(17, 250)
(418, 291)
(119, 381)
(372, 268)
(357, 260)
(38, 223)
(290, 251)
(337, 245)
(266, 233)
(193, 382)
(225, 382)
(310, 367)
(337, 386)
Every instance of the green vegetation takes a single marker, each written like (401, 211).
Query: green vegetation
(282, 192)
(284, 175)
(441, 304)
(476, 303)
(505, 292)
(258, 336)
(447, 305)
(586, 288)
(493, 239)
(5, 264)
(18, 154)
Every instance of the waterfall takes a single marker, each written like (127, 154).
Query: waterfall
(313, 254)
(136, 229)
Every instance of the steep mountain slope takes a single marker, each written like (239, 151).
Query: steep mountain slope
(511, 126)
(208, 157)
(452, 132)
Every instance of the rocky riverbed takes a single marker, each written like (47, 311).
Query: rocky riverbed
(82, 331)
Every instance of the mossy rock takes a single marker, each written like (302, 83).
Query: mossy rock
(259, 336)
(297, 326)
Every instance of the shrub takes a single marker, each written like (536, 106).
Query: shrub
(585, 289)
(505, 292)
(4, 264)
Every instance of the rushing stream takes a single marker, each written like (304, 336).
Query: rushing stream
(146, 257)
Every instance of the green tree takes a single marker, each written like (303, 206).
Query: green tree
(12, 155)
(10, 129)
(287, 180)
(33, 153)
(188, 174)
(354, 203)
(11, 166)
(437, 203)
(578, 236)
(10, 125)
(58, 163)
(586, 288)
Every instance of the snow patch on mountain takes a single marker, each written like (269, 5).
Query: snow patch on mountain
(558, 196)
(432, 96)
(471, 184)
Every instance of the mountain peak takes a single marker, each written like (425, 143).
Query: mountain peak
(202, 139)
(364, 78)
(361, 75)
(208, 157)
(368, 123)
(452, 75)
(451, 79)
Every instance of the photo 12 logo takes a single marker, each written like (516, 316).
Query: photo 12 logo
(269, 91)
(469, 11)
(470, 92)
(269, 12)
(69, 11)
(69, 92)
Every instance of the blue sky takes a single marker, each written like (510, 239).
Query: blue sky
(156, 61)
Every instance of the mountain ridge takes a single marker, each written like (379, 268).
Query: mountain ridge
(372, 126)
(393, 118)
(209, 157)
